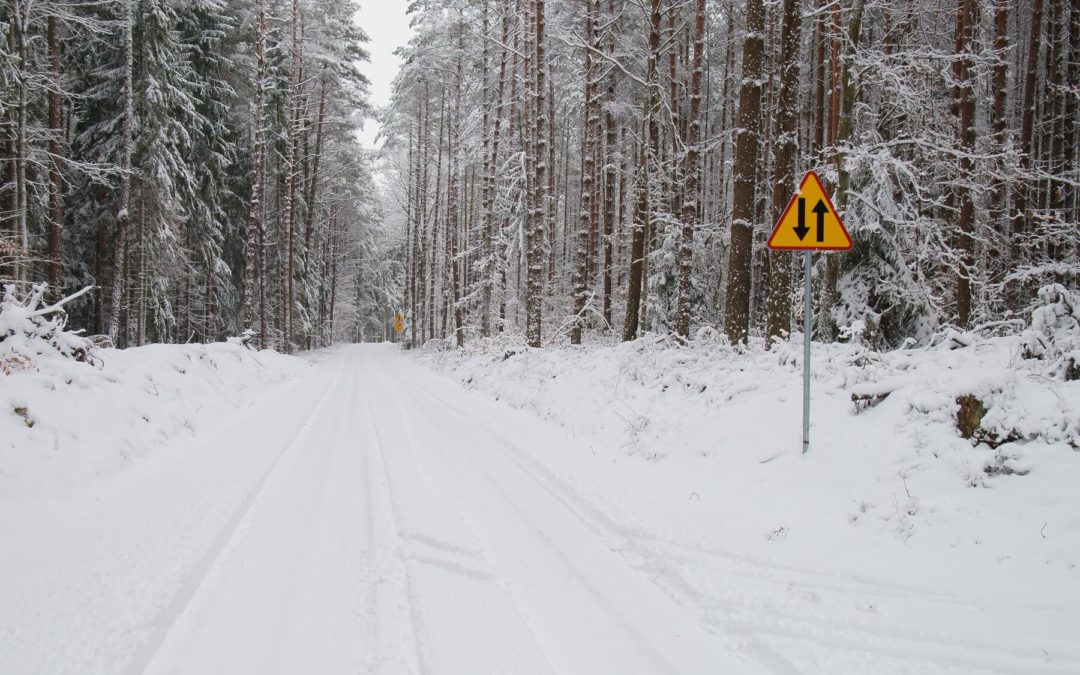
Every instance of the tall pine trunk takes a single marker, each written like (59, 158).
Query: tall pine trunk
(256, 234)
(778, 304)
(610, 171)
(534, 299)
(967, 16)
(641, 216)
(1021, 218)
(842, 123)
(586, 218)
(56, 177)
(747, 152)
(691, 171)
(126, 143)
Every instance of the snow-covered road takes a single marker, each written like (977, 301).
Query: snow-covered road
(394, 535)
(370, 519)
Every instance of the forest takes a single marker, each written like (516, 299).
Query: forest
(564, 171)
(613, 167)
(196, 163)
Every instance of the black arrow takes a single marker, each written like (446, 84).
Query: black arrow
(801, 229)
(821, 210)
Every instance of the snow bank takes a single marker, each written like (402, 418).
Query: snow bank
(657, 396)
(64, 422)
(703, 442)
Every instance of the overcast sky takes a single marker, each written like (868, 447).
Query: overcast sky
(387, 25)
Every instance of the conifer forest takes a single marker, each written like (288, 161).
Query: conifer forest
(568, 170)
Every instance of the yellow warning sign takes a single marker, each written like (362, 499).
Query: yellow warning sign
(810, 221)
(399, 323)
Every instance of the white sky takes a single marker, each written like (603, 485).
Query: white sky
(387, 25)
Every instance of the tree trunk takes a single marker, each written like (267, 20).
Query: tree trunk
(778, 304)
(998, 121)
(843, 106)
(1021, 218)
(586, 221)
(56, 178)
(967, 17)
(127, 141)
(610, 171)
(453, 209)
(747, 152)
(309, 216)
(534, 300)
(292, 174)
(1072, 111)
(19, 17)
(255, 233)
(691, 172)
(641, 216)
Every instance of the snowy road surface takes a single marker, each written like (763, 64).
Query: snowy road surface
(370, 518)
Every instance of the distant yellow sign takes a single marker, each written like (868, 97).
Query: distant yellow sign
(810, 221)
(399, 323)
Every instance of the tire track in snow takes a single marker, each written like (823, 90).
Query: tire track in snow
(644, 550)
(759, 613)
(539, 540)
(388, 560)
(464, 622)
(633, 542)
(195, 578)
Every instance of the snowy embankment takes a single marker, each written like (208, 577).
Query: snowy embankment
(65, 423)
(118, 469)
(700, 445)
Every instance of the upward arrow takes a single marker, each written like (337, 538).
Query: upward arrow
(820, 210)
(801, 229)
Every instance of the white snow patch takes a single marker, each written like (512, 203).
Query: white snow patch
(702, 443)
(64, 423)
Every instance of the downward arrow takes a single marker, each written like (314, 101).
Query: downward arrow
(820, 210)
(801, 229)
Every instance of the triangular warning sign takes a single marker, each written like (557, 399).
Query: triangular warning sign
(810, 221)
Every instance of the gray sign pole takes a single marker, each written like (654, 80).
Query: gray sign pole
(806, 356)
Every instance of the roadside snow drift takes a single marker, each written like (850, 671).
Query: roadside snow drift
(64, 423)
(701, 444)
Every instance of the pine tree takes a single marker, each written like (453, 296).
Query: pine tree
(747, 152)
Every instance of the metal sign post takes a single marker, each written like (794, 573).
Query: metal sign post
(806, 354)
(790, 234)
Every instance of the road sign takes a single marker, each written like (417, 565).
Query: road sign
(810, 221)
(399, 323)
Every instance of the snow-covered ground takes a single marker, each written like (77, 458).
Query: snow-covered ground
(895, 545)
(65, 424)
(642, 508)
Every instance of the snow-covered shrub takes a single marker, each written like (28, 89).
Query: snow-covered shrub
(1054, 335)
(243, 339)
(29, 330)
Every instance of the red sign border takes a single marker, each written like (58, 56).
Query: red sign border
(783, 217)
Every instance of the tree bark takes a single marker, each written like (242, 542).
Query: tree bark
(747, 152)
(256, 234)
(610, 171)
(778, 303)
(641, 216)
(127, 141)
(843, 106)
(967, 16)
(586, 218)
(56, 177)
(534, 300)
(691, 171)
(1021, 218)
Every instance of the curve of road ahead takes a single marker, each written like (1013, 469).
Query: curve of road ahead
(396, 534)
